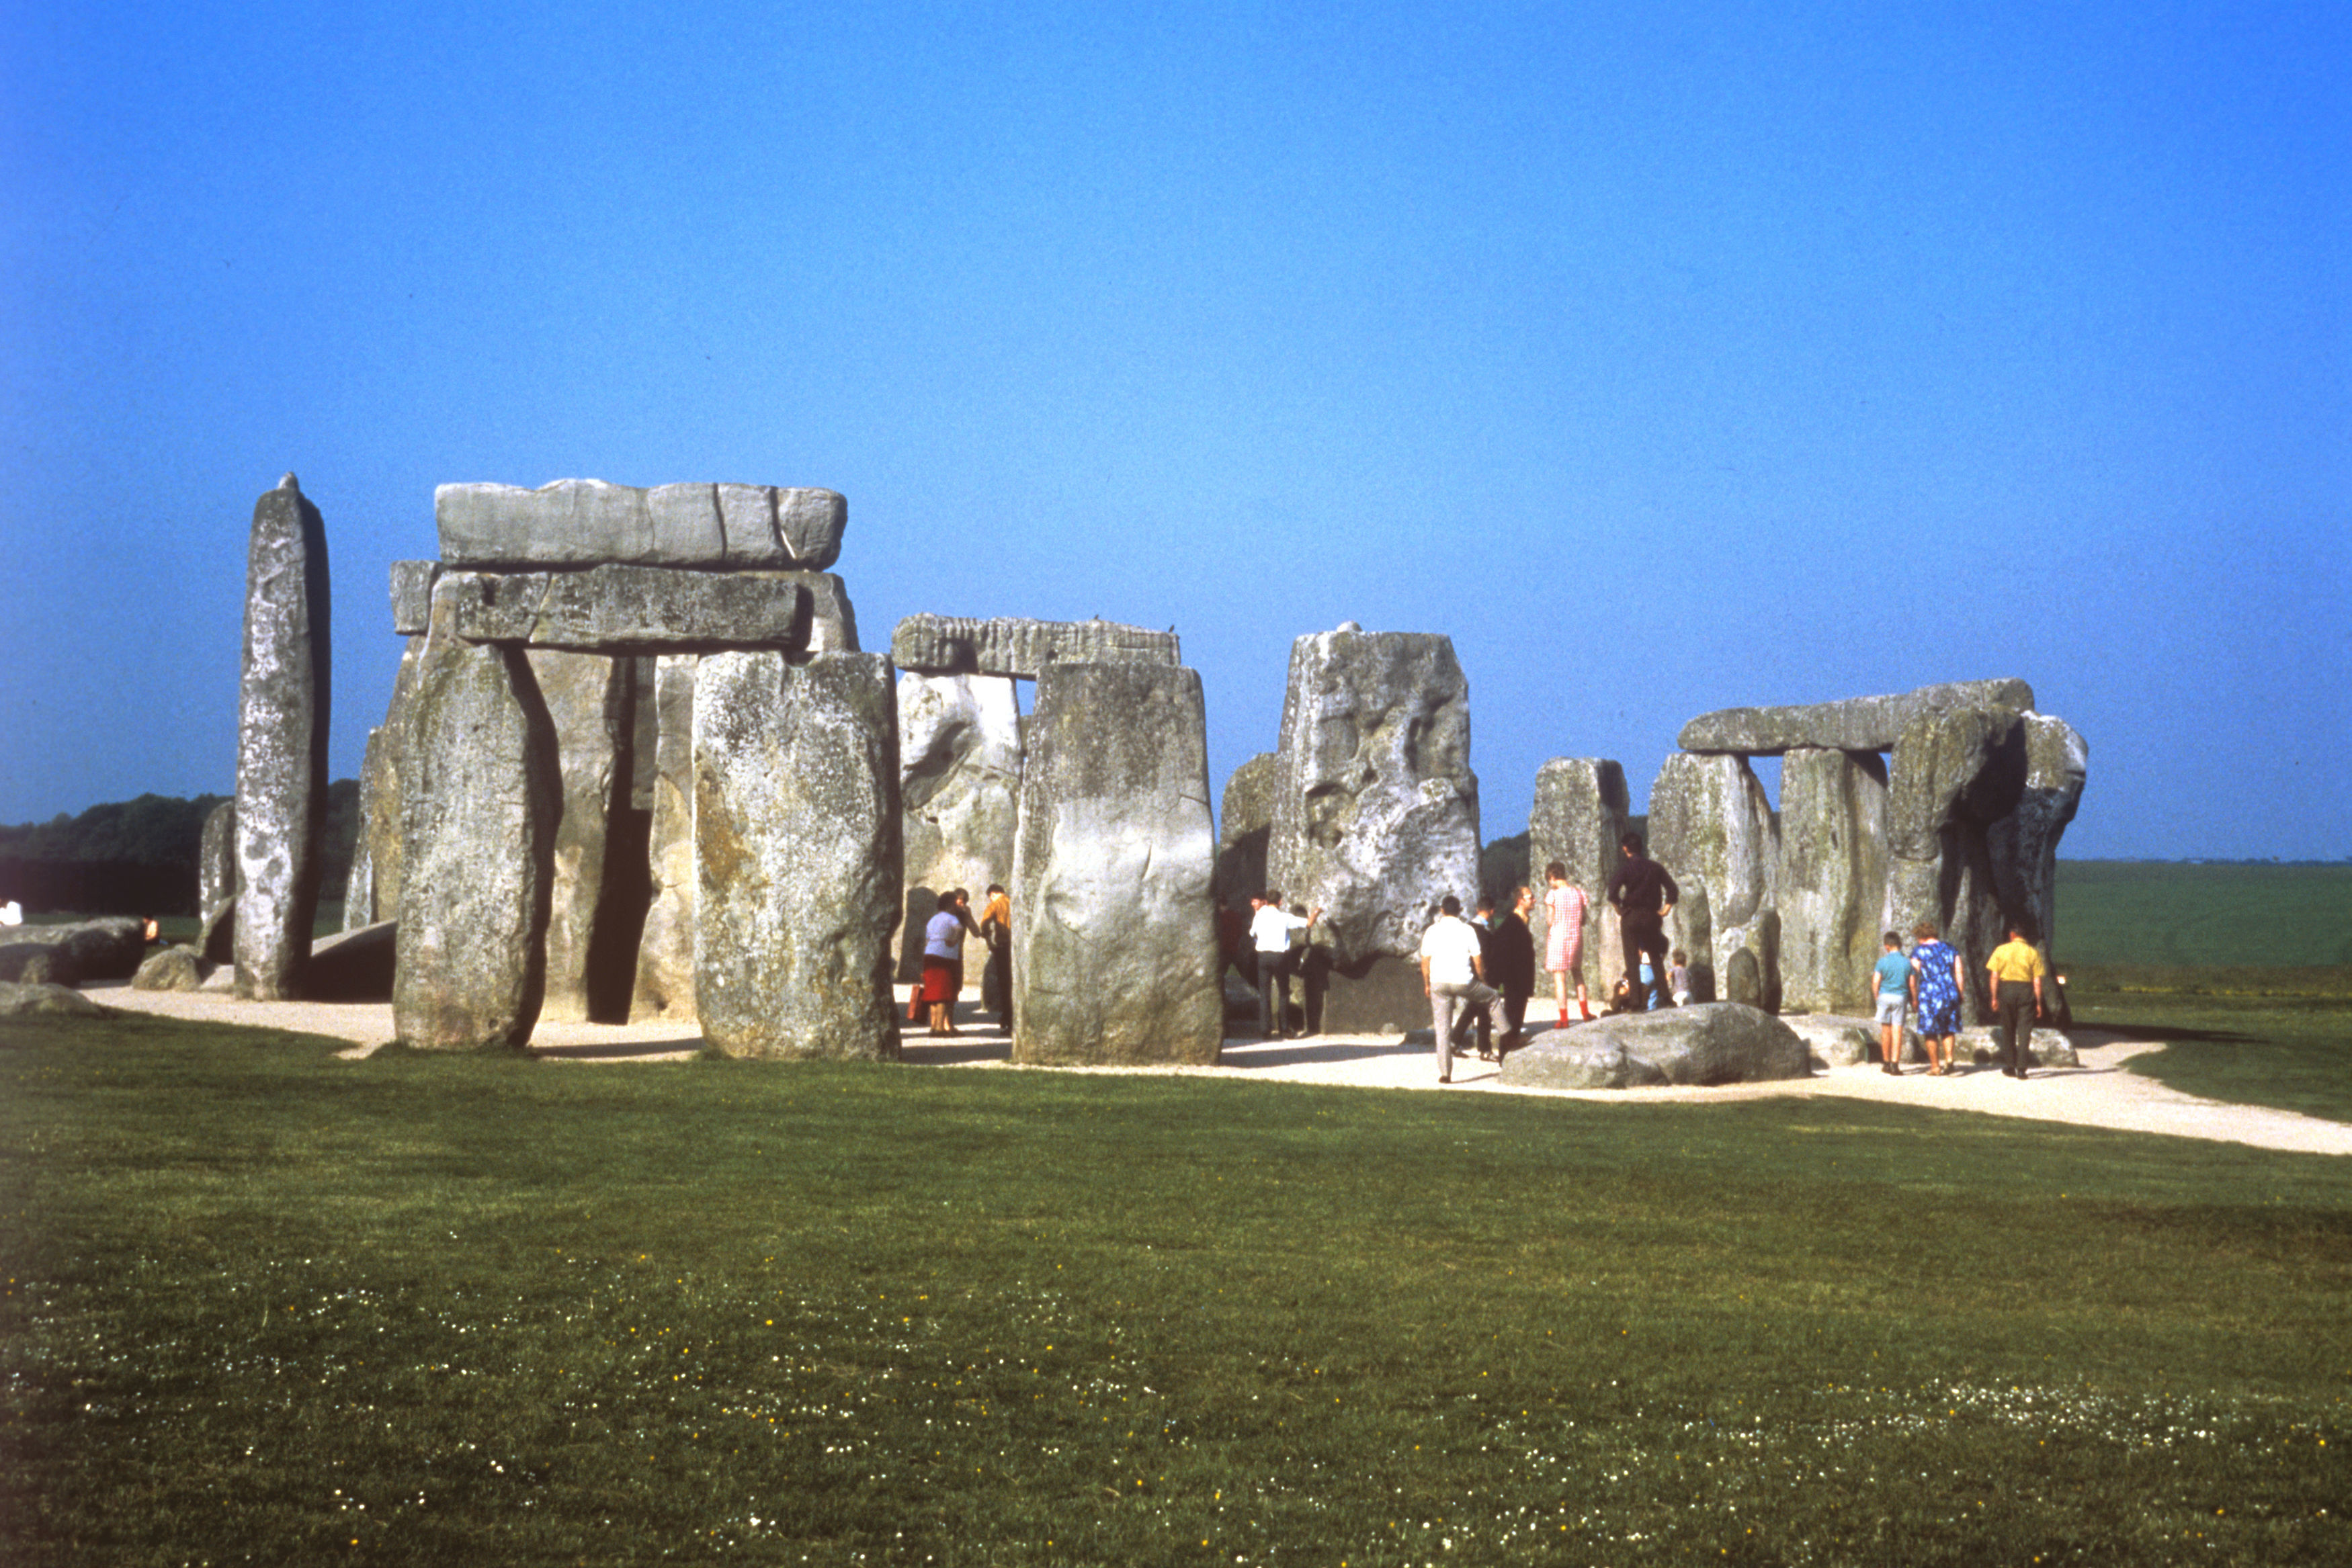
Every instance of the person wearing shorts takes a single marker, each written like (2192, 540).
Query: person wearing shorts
(1894, 973)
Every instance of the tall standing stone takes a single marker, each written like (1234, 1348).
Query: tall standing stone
(796, 825)
(1114, 943)
(216, 862)
(281, 742)
(1375, 810)
(1581, 810)
(2023, 845)
(665, 984)
(1831, 880)
(359, 885)
(1244, 814)
(587, 700)
(1954, 773)
(1710, 818)
(960, 780)
(481, 800)
(382, 791)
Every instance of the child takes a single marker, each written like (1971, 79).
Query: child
(1680, 974)
(1893, 973)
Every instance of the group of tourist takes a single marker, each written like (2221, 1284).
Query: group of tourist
(943, 936)
(1928, 980)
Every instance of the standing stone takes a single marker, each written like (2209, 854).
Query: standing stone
(2023, 845)
(1375, 811)
(1709, 818)
(480, 804)
(1244, 814)
(1831, 879)
(216, 862)
(1690, 930)
(1748, 961)
(359, 885)
(587, 701)
(381, 792)
(1580, 811)
(1114, 939)
(796, 821)
(664, 985)
(960, 781)
(1954, 773)
(281, 743)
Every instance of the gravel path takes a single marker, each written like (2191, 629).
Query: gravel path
(2102, 1092)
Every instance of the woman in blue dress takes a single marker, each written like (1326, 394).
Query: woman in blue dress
(1936, 997)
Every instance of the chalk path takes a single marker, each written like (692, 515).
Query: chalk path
(2102, 1092)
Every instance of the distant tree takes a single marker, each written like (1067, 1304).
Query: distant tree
(1503, 865)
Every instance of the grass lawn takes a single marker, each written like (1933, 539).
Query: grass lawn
(266, 1305)
(2186, 912)
(2254, 1036)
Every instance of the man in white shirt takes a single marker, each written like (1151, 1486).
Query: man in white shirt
(1453, 971)
(1270, 929)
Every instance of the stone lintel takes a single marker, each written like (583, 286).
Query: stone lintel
(411, 595)
(587, 522)
(651, 610)
(1009, 645)
(1857, 723)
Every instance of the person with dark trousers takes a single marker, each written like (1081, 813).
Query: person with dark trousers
(1270, 930)
(2017, 971)
(1507, 954)
(1644, 894)
(996, 930)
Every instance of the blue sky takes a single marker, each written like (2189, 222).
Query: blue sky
(1667, 358)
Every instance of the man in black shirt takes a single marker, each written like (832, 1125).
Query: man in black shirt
(1644, 894)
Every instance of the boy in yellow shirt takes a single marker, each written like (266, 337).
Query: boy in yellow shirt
(2017, 971)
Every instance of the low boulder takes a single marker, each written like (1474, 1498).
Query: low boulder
(1837, 1041)
(353, 966)
(25, 1001)
(179, 967)
(1706, 1043)
(2048, 1047)
(107, 948)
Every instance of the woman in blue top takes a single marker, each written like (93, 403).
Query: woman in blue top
(1936, 996)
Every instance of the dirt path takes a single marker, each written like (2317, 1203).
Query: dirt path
(2101, 1092)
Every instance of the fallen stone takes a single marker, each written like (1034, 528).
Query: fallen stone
(281, 743)
(480, 805)
(947, 645)
(1703, 1044)
(107, 948)
(1114, 944)
(587, 522)
(216, 938)
(1831, 878)
(175, 968)
(27, 1001)
(1245, 815)
(1840, 1041)
(1375, 808)
(960, 760)
(797, 838)
(586, 697)
(354, 966)
(411, 595)
(1857, 723)
(2048, 1047)
(665, 979)
(1580, 811)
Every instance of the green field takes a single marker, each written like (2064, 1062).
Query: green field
(266, 1305)
(2201, 913)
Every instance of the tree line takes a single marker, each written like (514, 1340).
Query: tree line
(139, 856)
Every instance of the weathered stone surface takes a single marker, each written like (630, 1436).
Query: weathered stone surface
(1245, 815)
(655, 609)
(216, 861)
(1847, 1041)
(960, 783)
(411, 595)
(665, 982)
(1375, 808)
(1748, 961)
(1960, 764)
(175, 968)
(479, 811)
(1831, 878)
(1690, 930)
(1581, 807)
(354, 966)
(1114, 940)
(797, 837)
(281, 742)
(107, 948)
(944, 646)
(1710, 819)
(2023, 845)
(586, 697)
(216, 938)
(358, 883)
(587, 522)
(2048, 1047)
(381, 792)
(25, 1001)
(1707, 1043)
(1857, 723)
